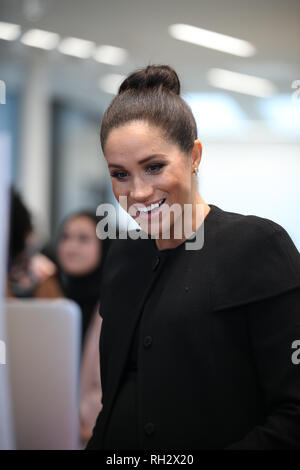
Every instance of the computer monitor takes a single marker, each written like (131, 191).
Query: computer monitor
(43, 354)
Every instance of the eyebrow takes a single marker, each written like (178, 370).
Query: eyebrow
(144, 160)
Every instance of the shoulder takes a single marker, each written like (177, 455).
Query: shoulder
(254, 258)
(242, 233)
(244, 227)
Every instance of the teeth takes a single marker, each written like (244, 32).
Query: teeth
(151, 207)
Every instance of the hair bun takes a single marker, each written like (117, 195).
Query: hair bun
(153, 76)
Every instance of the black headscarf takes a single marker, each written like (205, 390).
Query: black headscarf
(20, 226)
(84, 289)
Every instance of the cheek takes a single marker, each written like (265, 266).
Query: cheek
(118, 188)
(90, 253)
(61, 251)
(174, 182)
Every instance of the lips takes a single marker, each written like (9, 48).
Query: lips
(150, 214)
(148, 204)
(149, 207)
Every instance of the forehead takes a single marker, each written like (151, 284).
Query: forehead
(136, 137)
(80, 223)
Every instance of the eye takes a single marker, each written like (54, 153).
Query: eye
(64, 237)
(120, 175)
(84, 238)
(155, 167)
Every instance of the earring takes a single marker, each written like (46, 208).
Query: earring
(195, 170)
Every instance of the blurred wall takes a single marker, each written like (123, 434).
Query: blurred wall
(254, 178)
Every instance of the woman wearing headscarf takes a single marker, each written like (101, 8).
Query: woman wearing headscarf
(80, 255)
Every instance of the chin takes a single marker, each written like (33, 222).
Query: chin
(74, 272)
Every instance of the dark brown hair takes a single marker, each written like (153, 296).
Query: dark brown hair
(152, 94)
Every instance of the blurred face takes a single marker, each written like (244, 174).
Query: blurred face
(151, 172)
(79, 249)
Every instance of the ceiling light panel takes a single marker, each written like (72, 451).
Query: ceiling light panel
(212, 40)
(110, 55)
(40, 38)
(9, 31)
(241, 83)
(76, 47)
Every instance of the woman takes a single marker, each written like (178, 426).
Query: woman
(79, 258)
(80, 254)
(196, 344)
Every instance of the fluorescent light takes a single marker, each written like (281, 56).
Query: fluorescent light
(212, 40)
(110, 55)
(76, 47)
(9, 31)
(110, 83)
(241, 83)
(41, 39)
(216, 114)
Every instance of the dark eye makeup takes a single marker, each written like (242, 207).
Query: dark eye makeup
(153, 168)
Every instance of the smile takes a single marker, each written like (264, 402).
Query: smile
(151, 206)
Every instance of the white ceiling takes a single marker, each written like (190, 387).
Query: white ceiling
(140, 26)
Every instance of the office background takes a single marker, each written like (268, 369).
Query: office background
(61, 62)
(56, 93)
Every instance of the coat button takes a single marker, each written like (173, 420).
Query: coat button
(155, 263)
(149, 428)
(147, 341)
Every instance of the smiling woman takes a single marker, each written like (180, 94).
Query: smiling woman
(159, 155)
(148, 180)
(196, 344)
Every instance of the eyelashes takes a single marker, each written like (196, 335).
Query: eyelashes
(81, 238)
(118, 175)
(153, 169)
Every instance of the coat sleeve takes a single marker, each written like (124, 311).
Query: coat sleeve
(260, 273)
(274, 334)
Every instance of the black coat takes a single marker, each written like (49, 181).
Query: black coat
(222, 321)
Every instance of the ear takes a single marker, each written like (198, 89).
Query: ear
(196, 153)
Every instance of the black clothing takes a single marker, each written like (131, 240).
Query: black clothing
(213, 344)
(85, 291)
(122, 431)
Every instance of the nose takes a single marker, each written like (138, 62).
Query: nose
(71, 243)
(140, 191)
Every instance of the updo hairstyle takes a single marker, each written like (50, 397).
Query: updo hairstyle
(152, 94)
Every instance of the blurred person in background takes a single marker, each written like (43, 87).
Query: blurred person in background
(79, 256)
(79, 265)
(77, 276)
(27, 268)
